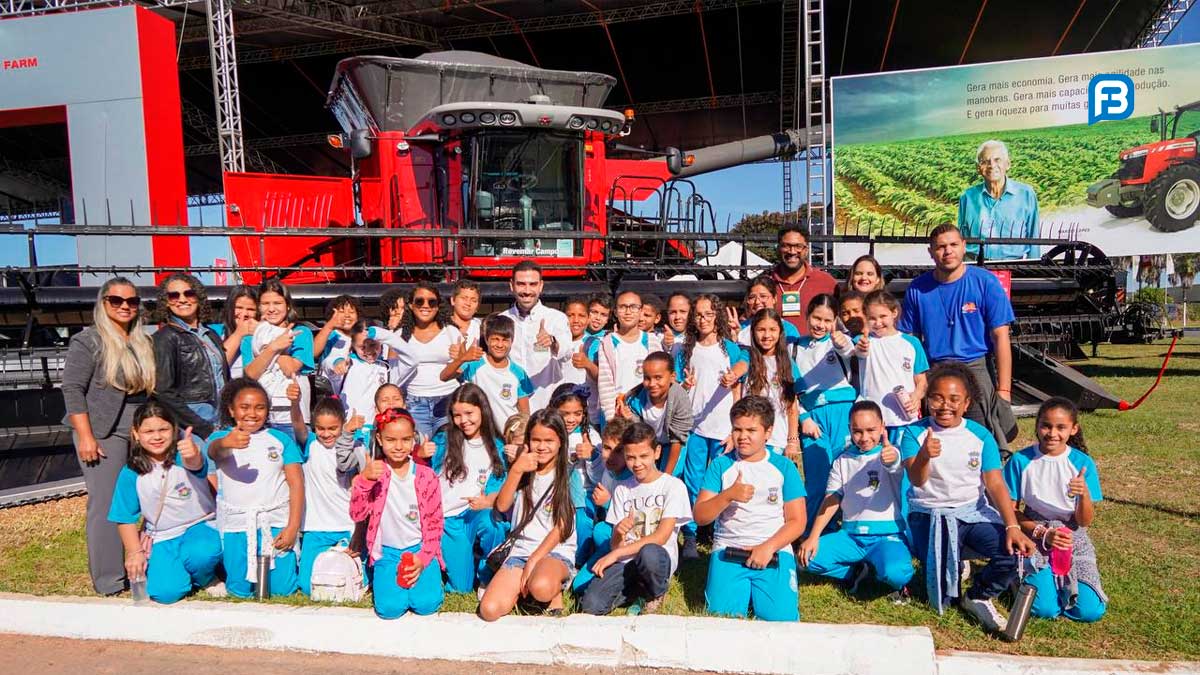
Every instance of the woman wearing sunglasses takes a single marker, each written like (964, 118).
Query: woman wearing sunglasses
(430, 336)
(108, 373)
(189, 356)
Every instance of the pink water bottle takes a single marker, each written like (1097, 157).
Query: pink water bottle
(1060, 558)
(903, 397)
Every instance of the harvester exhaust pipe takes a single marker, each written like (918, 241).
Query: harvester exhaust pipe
(682, 163)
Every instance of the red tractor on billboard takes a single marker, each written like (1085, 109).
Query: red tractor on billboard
(1160, 180)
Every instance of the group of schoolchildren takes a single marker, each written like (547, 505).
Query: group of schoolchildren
(416, 450)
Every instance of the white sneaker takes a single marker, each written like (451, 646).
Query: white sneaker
(216, 590)
(479, 592)
(985, 613)
(964, 573)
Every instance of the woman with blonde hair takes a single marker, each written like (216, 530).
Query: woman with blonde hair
(108, 373)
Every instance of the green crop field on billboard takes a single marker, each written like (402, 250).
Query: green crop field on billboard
(906, 143)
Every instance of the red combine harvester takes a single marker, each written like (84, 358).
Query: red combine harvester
(462, 142)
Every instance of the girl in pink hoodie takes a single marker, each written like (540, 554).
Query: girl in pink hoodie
(401, 503)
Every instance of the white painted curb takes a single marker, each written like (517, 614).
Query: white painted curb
(974, 663)
(692, 643)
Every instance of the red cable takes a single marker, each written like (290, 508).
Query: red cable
(1068, 30)
(971, 36)
(1126, 405)
(888, 42)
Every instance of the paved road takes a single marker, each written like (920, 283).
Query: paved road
(51, 656)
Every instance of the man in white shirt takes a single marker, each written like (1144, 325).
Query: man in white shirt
(541, 333)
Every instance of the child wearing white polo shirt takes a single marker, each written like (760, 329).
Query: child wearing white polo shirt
(891, 365)
(756, 499)
(507, 386)
(1058, 486)
(358, 373)
(710, 365)
(646, 513)
(865, 484)
(260, 490)
(954, 468)
(164, 484)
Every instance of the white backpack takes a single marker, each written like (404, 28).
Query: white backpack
(336, 576)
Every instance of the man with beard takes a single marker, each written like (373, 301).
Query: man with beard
(799, 282)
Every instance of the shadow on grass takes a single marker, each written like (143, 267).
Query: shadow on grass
(1190, 515)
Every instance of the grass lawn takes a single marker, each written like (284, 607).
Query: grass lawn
(1147, 532)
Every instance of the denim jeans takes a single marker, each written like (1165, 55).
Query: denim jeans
(429, 412)
(646, 575)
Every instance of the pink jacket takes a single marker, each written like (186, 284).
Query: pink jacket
(367, 499)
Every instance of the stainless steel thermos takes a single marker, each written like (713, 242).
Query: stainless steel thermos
(262, 590)
(1018, 617)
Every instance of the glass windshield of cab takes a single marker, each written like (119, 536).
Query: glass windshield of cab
(529, 183)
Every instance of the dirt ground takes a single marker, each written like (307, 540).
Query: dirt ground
(51, 656)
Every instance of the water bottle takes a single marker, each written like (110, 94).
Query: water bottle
(1060, 558)
(903, 397)
(1018, 616)
(262, 590)
(137, 589)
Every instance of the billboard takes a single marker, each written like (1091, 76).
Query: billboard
(908, 144)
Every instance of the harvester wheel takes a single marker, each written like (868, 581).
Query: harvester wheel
(1173, 199)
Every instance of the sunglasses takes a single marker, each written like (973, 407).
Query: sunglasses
(176, 295)
(425, 302)
(116, 301)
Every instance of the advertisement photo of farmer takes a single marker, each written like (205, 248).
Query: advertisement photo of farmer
(998, 207)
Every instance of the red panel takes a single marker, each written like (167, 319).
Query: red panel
(265, 201)
(28, 117)
(164, 135)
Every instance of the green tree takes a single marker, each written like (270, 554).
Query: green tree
(767, 222)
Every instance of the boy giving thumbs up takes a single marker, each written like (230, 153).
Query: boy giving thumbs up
(865, 483)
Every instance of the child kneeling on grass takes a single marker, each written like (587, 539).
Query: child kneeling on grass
(757, 500)
(543, 494)
(954, 466)
(164, 483)
(260, 494)
(1058, 485)
(401, 503)
(864, 482)
(646, 513)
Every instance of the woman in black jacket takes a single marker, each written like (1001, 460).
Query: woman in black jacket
(189, 356)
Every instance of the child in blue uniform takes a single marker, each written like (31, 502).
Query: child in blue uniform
(825, 394)
(506, 384)
(954, 468)
(261, 490)
(756, 499)
(470, 468)
(164, 484)
(327, 477)
(865, 483)
(891, 365)
(277, 352)
(774, 375)
(1058, 486)
(583, 443)
(710, 366)
(543, 495)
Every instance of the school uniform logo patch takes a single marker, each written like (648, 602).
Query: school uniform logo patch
(412, 515)
(548, 509)
(873, 479)
(273, 454)
(382, 379)
(973, 460)
(773, 495)
(482, 478)
(906, 364)
(182, 490)
(639, 366)
(506, 391)
(969, 308)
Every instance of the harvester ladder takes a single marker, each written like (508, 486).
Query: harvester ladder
(815, 178)
(223, 54)
(788, 103)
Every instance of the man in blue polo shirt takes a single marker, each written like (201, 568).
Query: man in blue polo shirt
(998, 206)
(961, 313)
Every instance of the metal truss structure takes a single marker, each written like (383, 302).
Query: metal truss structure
(816, 179)
(223, 55)
(1169, 15)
